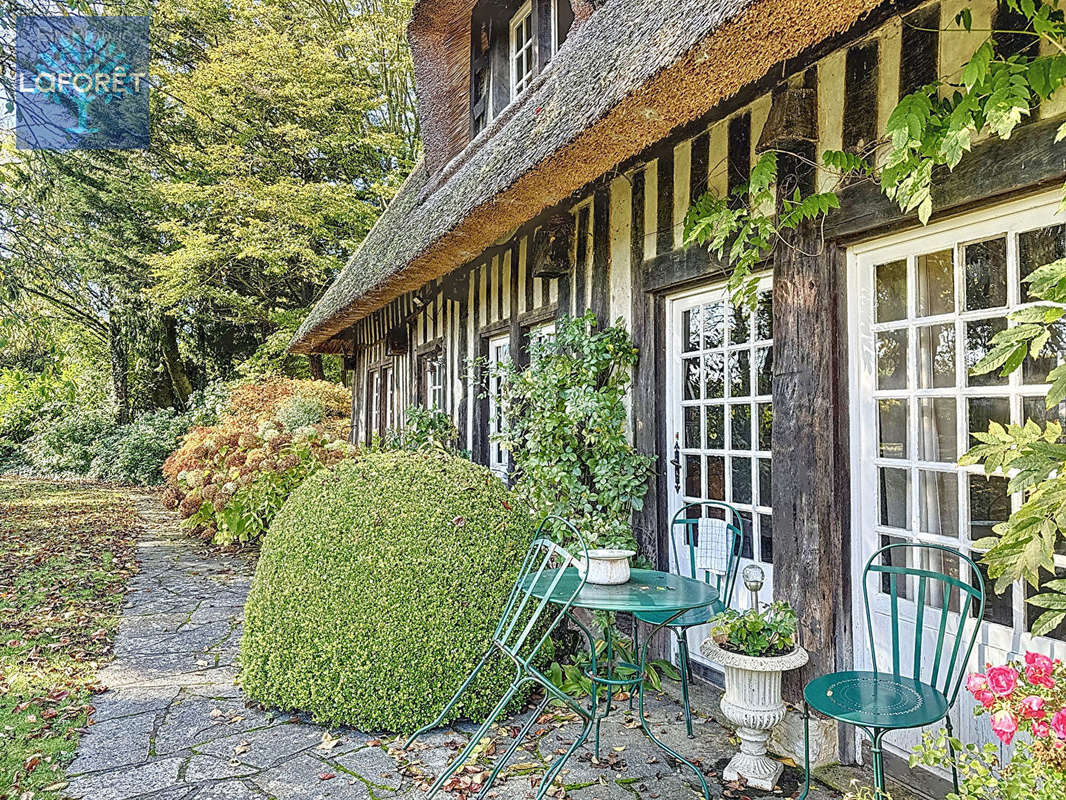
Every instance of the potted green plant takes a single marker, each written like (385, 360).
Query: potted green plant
(754, 648)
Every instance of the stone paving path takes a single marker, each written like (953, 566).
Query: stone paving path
(173, 724)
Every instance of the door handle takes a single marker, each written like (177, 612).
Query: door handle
(677, 464)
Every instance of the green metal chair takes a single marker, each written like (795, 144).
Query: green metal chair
(704, 547)
(522, 631)
(917, 691)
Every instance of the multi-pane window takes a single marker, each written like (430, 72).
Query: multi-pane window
(522, 49)
(499, 353)
(433, 381)
(931, 308)
(726, 376)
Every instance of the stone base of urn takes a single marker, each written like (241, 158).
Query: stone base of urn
(752, 701)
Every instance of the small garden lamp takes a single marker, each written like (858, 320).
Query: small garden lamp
(753, 580)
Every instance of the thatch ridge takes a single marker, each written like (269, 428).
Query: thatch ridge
(633, 72)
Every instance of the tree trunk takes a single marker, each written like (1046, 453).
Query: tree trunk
(316, 366)
(179, 379)
(119, 370)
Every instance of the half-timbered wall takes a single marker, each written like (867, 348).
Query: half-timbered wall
(857, 86)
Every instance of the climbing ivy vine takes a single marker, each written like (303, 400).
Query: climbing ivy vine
(930, 130)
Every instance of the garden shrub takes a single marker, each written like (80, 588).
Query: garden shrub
(378, 588)
(135, 453)
(299, 411)
(243, 476)
(68, 443)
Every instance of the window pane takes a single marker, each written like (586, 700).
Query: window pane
(892, 291)
(999, 608)
(894, 487)
(936, 356)
(765, 424)
(764, 316)
(715, 478)
(765, 482)
(1053, 354)
(892, 360)
(983, 410)
(715, 427)
(740, 427)
(747, 546)
(936, 284)
(741, 469)
(690, 326)
(693, 476)
(715, 375)
(1035, 408)
(766, 538)
(893, 427)
(714, 317)
(989, 504)
(690, 379)
(936, 592)
(741, 328)
(978, 343)
(692, 427)
(937, 429)
(986, 274)
(897, 557)
(1037, 248)
(764, 370)
(938, 501)
(739, 373)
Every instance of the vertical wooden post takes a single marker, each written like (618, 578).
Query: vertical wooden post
(810, 444)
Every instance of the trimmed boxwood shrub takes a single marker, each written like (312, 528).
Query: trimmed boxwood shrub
(379, 584)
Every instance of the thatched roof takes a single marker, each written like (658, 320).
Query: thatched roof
(621, 82)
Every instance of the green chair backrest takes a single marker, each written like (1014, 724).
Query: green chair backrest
(521, 617)
(706, 540)
(895, 566)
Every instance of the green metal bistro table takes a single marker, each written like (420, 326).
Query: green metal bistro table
(647, 591)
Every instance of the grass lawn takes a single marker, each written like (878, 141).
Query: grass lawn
(66, 552)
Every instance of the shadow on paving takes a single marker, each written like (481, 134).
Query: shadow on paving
(173, 724)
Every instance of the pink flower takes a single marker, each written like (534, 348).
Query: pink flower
(1004, 725)
(1041, 729)
(1033, 707)
(975, 682)
(1058, 724)
(1002, 680)
(985, 698)
(1038, 669)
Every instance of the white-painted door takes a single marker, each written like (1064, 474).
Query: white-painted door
(719, 369)
(922, 308)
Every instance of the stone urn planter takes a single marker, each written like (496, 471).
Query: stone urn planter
(752, 701)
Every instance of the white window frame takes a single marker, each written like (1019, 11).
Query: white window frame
(523, 19)
(433, 378)
(996, 642)
(499, 353)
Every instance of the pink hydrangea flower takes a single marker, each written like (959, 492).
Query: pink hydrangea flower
(1004, 725)
(1038, 669)
(1002, 680)
(1032, 707)
(1058, 723)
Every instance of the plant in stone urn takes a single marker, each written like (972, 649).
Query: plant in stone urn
(754, 647)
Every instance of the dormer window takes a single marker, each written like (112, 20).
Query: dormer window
(510, 42)
(523, 50)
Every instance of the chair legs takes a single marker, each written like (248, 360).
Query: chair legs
(878, 764)
(501, 762)
(951, 750)
(682, 653)
(460, 759)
